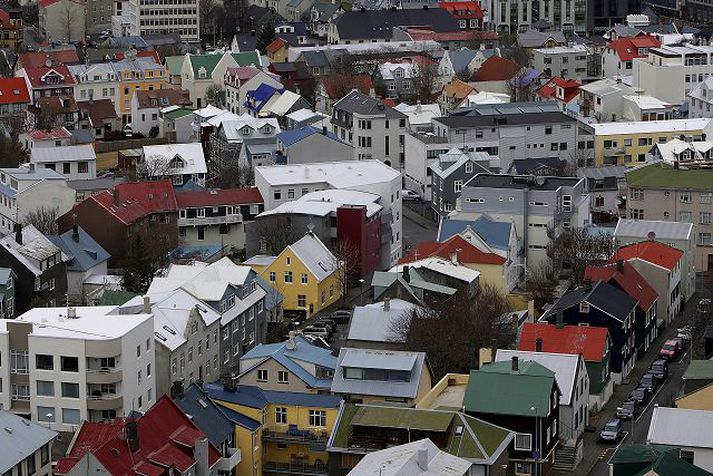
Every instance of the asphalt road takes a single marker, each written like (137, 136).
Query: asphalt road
(416, 228)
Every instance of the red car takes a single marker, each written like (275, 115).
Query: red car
(670, 349)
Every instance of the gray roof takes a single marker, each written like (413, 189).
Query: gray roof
(521, 182)
(508, 109)
(315, 59)
(74, 153)
(663, 230)
(373, 323)
(377, 24)
(84, 254)
(379, 359)
(515, 118)
(23, 439)
(681, 427)
(315, 256)
(356, 102)
(326, 10)
(601, 295)
(602, 172)
(205, 414)
(5, 275)
(535, 39)
(461, 58)
(99, 183)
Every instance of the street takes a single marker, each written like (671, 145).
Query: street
(416, 227)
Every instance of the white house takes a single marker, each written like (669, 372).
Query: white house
(240, 80)
(568, 62)
(179, 162)
(76, 162)
(689, 430)
(147, 105)
(700, 100)
(96, 81)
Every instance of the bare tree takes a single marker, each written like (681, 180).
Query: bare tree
(274, 233)
(517, 54)
(151, 168)
(70, 18)
(41, 119)
(213, 95)
(582, 157)
(346, 262)
(575, 249)
(540, 283)
(518, 86)
(464, 74)
(44, 219)
(452, 332)
(425, 77)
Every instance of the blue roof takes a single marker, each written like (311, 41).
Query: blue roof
(260, 95)
(303, 352)
(240, 419)
(494, 233)
(294, 136)
(190, 186)
(255, 397)
(461, 58)
(206, 415)
(84, 253)
(197, 252)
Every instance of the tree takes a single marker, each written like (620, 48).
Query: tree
(152, 167)
(141, 264)
(576, 248)
(518, 86)
(274, 233)
(346, 262)
(424, 82)
(12, 153)
(70, 19)
(267, 36)
(213, 95)
(464, 74)
(207, 10)
(540, 283)
(44, 219)
(517, 54)
(452, 332)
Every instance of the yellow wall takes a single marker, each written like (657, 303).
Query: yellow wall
(491, 273)
(621, 150)
(312, 290)
(702, 399)
(250, 455)
(128, 84)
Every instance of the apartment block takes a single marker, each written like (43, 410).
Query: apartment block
(514, 16)
(568, 62)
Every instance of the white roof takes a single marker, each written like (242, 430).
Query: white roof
(378, 359)
(671, 150)
(209, 111)
(402, 460)
(559, 50)
(430, 46)
(663, 230)
(326, 202)
(681, 427)
(315, 256)
(485, 97)
(607, 86)
(564, 366)
(260, 260)
(388, 69)
(373, 323)
(191, 154)
(232, 125)
(19, 439)
(74, 153)
(342, 174)
(441, 266)
(91, 323)
(650, 127)
(284, 103)
(647, 102)
(35, 247)
(304, 114)
(420, 113)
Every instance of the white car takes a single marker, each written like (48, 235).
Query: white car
(410, 195)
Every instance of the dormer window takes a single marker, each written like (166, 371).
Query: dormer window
(177, 163)
(267, 129)
(246, 131)
(399, 73)
(202, 73)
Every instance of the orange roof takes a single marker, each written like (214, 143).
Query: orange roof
(465, 252)
(276, 45)
(590, 342)
(628, 279)
(13, 91)
(653, 252)
(338, 85)
(463, 9)
(570, 86)
(628, 48)
(455, 88)
(496, 68)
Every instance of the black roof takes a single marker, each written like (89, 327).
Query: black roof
(527, 166)
(602, 295)
(375, 24)
(356, 102)
(205, 414)
(521, 181)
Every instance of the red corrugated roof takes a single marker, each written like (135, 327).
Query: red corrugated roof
(496, 68)
(138, 199)
(630, 280)
(214, 198)
(159, 451)
(463, 9)
(423, 33)
(141, 54)
(52, 134)
(35, 59)
(653, 252)
(13, 91)
(276, 45)
(338, 85)
(35, 76)
(570, 86)
(465, 251)
(590, 342)
(628, 48)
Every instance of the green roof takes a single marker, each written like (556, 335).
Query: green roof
(209, 62)
(699, 370)
(639, 453)
(393, 417)
(670, 464)
(664, 176)
(496, 389)
(174, 64)
(115, 298)
(176, 113)
(663, 461)
(247, 58)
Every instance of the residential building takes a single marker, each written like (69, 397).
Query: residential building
(58, 111)
(495, 75)
(278, 431)
(281, 184)
(592, 343)
(62, 20)
(22, 196)
(449, 173)
(606, 187)
(435, 270)
(371, 376)
(311, 145)
(564, 92)
(398, 80)
(180, 163)
(600, 304)
(573, 382)
(534, 419)
(320, 276)
(700, 99)
(147, 105)
(641, 107)
(660, 265)
(321, 15)
(374, 129)
(257, 100)
(568, 62)
(294, 365)
(403, 459)
(240, 80)
(86, 258)
(684, 429)
(75, 162)
(160, 438)
(77, 364)
(176, 124)
(14, 101)
(330, 89)
(96, 81)
(422, 150)
(469, 14)
(512, 131)
(45, 81)
(371, 325)
(663, 192)
(364, 430)
(226, 288)
(27, 447)
(306, 117)
(11, 27)
(100, 118)
(409, 286)
(8, 278)
(459, 62)
(420, 115)
(698, 374)
(217, 216)
(231, 135)
(618, 55)
(603, 100)
(136, 74)
(114, 218)
(539, 207)
(530, 39)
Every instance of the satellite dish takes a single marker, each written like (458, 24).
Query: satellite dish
(651, 235)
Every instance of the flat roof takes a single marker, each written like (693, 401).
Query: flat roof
(650, 127)
(340, 174)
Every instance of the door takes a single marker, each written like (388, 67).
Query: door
(710, 262)
(200, 373)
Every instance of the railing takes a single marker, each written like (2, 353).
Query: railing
(104, 396)
(294, 467)
(17, 396)
(307, 436)
(104, 370)
(227, 463)
(210, 220)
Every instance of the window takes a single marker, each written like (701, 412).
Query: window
(584, 307)
(70, 390)
(684, 197)
(567, 203)
(304, 279)
(273, 278)
(288, 276)
(636, 214)
(523, 468)
(301, 300)
(704, 238)
(46, 414)
(148, 366)
(705, 218)
(282, 376)
(70, 364)
(685, 217)
(457, 186)
(469, 167)
(317, 418)
(44, 362)
(70, 416)
(523, 442)
(637, 194)
(686, 455)
(548, 130)
(262, 375)
(45, 388)
(281, 415)
(598, 202)
(323, 297)
(277, 195)
(83, 167)
(706, 197)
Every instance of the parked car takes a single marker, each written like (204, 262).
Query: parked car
(611, 431)
(323, 325)
(640, 395)
(341, 317)
(628, 410)
(670, 349)
(648, 381)
(660, 369)
(684, 334)
(326, 320)
(410, 195)
(705, 305)
(317, 331)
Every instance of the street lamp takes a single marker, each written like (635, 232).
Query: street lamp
(49, 419)
(361, 291)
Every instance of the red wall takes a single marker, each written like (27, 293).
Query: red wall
(353, 226)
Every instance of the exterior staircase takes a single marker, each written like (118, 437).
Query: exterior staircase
(567, 457)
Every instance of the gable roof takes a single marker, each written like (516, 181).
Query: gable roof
(205, 414)
(83, 252)
(601, 295)
(627, 48)
(276, 45)
(653, 252)
(246, 58)
(35, 75)
(293, 136)
(699, 370)
(191, 154)
(376, 24)
(403, 460)
(373, 322)
(19, 439)
(337, 85)
(135, 200)
(207, 62)
(681, 427)
(35, 59)
(630, 280)
(13, 91)
(315, 256)
(98, 110)
(217, 197)
(590, 342)
(535, 39)
(457, 89)
(496, 68)
(35, 247)
(464, 251)
(495, 233)
(570, 87)
(663, 230)
(163, 98)
(356, 102)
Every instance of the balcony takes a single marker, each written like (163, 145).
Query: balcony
(294, 467)
(203, 221)
(317, 439)
(104, 375)
(104, 401)
(227, 463)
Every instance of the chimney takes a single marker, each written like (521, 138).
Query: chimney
(177, 389)
(18, 233)
(515, 364)
(538, 344)
(229, 383)
(75, 233)
(324, 130)
(454, 258)
(115, 195)
(147, 305)
(560, 320)
(71, 313)
(620, 265)
(422, 458)
(200, 453)
(306, 172)
(405, 274)
(291, 344)
(387, 304)
(132, 435)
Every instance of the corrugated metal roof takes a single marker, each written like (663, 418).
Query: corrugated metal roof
(378, 359)
(664, 230)
(681, 427)
(23, 439)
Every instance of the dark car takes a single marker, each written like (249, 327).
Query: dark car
(671, 349)
(648, 381)
(640, 395)
(660, 369)
(611, 431)
(341, 317)
(628, 410)
(326, 320)
(322, 325)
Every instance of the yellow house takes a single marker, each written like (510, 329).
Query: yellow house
(627, 143)
(137, 74)
(278, 432)
(306, 273)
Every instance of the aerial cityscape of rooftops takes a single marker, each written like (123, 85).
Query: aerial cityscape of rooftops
(356, 237)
